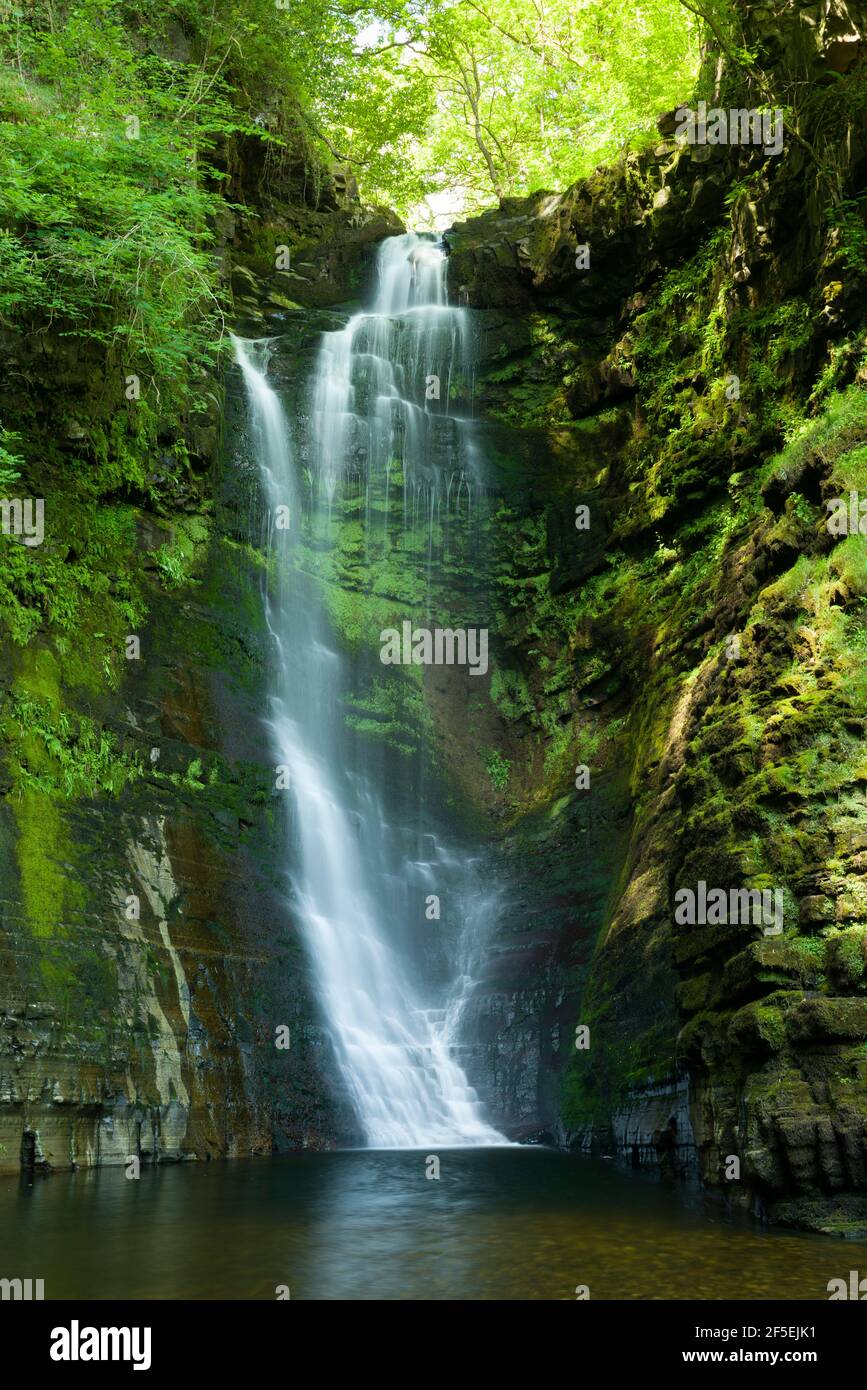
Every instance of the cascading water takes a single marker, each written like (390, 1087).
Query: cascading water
(357, 876)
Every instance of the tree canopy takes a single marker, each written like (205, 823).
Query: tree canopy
(112, 118)
(468, 101)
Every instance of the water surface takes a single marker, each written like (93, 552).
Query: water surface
(498, 1224)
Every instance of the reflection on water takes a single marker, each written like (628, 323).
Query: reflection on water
(498, 1224)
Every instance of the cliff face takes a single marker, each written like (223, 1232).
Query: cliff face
(147, 966)
(694, 378)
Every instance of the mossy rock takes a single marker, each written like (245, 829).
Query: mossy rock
(761, 1026)
(693, 994)
(764, 967)
(702, 1035)
(845, 1216)
(816, 909)
(846, 957)
(828, 1020)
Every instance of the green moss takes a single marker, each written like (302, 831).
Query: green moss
(692, 994)
(359, 617)
(761, 1026)
(43, 844)
(38, 676)
(393, 712)
(849, 564)
(846, 954)
(600, 1080)
(537, 394)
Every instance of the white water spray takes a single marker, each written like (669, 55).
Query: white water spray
(358, 879)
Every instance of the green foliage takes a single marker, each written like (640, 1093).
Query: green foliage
(513, 97)
(498, 768)
(9, 462)
(177, 559)
(511, 694)
(835, 437)
(850, 217)
(62, 755)
(171, 566)
(105, 211)
(72, 582)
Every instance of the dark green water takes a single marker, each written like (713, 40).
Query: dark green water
(498, 1224)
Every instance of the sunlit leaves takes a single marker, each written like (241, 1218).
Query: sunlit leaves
(521, 94)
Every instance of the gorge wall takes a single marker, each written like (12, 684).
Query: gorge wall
(696, 382)
(700, 389)
(146, 960)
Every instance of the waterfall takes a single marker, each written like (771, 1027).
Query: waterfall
(357, 874)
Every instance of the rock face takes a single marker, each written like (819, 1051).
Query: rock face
(142, 994)
(693, 320)
(148, 967)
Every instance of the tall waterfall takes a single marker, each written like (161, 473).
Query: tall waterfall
(359, 875)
